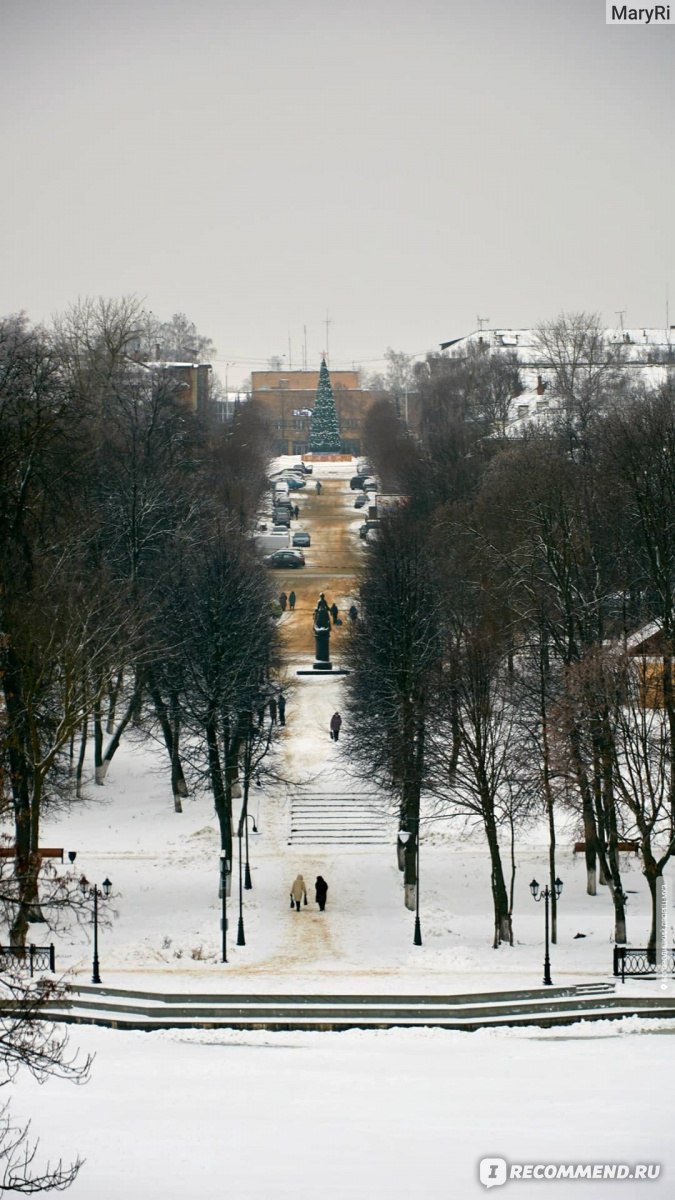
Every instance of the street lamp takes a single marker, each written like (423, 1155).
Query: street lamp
(546, 895)
(247, 869)
(225, 876)
(247, 884)
(94, 892)
(404, 837)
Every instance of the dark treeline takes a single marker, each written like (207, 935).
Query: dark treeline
(129, 593)
(493, 672)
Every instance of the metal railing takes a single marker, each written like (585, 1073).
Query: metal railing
(39, 958)
(633, 960)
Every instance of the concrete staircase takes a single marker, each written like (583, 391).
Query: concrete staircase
(122, 1009)
(348, 819)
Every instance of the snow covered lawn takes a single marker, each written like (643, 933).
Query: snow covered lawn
(395, 1115)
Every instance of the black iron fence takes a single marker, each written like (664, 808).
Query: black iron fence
(632, 960)
(39, 958)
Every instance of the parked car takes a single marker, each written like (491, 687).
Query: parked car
(285, 558)
(294, 482)
(370, 485)
(363, 467)
(356, 482)
(282, 516)
(302, 468)
(301, 538)
(367, 526)
(361, 500)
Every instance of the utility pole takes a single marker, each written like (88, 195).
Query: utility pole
(327, 322)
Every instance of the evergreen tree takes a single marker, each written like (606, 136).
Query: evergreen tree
(324, 437)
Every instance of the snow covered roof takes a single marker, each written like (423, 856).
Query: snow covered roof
(639, 344)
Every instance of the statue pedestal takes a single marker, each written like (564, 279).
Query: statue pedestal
(322, 664)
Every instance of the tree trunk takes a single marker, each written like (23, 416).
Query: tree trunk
(80, 759)
(170, 726)
(99, 773)
(113, 695)
(503, 926)
(590, 831)
(113, 744)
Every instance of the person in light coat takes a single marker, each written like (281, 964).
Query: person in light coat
(298, 892)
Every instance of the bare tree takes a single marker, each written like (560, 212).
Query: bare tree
(583, 369)
(29, 1041)
(396, 654)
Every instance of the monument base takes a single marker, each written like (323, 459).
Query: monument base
(322, 671)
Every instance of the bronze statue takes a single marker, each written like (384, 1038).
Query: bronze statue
(322, 635)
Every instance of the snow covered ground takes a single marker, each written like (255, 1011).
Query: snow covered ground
(365, 1115)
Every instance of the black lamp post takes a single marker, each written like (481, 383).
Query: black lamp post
(247, 869)
(247, 884)
(225, 875)
(94, 892)
(545, 895)
(241, 940)
(404, 837)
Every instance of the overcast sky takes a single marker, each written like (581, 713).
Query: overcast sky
(400, 168)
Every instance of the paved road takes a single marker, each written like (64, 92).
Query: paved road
(333, 560)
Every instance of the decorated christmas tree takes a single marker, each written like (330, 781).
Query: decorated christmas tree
(324, 436)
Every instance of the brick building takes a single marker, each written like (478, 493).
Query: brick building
(288, 399)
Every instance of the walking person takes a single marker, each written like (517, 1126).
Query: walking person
(353, 613)
(334, 610)
(291, 601)
(296, 511)
(335, 725)
(273, 711)
(318, 487)
(298, 892)
(321, 892)
(282, 709)
(282, 601)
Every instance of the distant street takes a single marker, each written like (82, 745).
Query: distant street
(332, 560)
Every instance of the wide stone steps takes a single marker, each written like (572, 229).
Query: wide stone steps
(345, 819)
(124, 1009)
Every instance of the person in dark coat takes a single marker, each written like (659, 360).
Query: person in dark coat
(282, 601)
(334, 610)
(291, 601)
(296, 511)
(353, 613)
(321, 891)
(273, 711)
(318, 487)
(282, 709)
(335, 724)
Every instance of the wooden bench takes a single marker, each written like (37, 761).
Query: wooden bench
(630, 847)
(43, 852)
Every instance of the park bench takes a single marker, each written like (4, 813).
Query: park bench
(629, 847)
(43, 852)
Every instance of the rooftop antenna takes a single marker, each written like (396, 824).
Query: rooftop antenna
(304, 351)
(481, 321)
(327, 322)
(620, 312)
